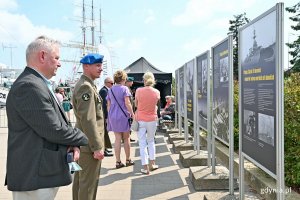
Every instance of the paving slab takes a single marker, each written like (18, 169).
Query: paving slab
(170, 181)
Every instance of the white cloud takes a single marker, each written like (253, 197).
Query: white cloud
(199, 45)
(150, 17)
(16, 28)
(194, 47)
(8, 5)
(77, 11)
(135, 44)
(203, 11)
(194, 12)
(117, 44)
(221, 23)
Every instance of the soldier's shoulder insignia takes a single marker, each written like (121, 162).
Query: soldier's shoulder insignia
(86, 97)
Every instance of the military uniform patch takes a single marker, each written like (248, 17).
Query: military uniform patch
(86, 97)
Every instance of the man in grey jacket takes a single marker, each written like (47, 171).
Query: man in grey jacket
(39, 136)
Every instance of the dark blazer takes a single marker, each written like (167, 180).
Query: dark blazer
(103, 93)
(38, 136)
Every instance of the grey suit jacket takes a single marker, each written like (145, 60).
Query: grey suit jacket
(38, 136)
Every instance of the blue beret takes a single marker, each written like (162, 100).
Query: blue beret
(92, 58)
(129, 78)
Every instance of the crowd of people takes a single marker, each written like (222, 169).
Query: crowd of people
(64, 100)
(42, 140)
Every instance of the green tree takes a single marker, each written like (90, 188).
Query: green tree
(173, 86)
(239, 21)
(294, 47)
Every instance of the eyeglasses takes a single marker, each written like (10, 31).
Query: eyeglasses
(110, 83)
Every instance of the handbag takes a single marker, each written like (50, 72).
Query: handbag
(129, 119)
(135, 125)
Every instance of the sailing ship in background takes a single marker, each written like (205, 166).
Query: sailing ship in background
(88, 24)
(8, 75)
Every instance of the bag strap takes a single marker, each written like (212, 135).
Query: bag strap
(118, 102)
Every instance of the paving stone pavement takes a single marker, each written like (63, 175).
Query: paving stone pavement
(170, 181)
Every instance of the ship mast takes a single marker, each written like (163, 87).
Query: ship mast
(84, 46)
(100, 27)
(93, 25)
(104, 64)
(83, 27)
(11, 53)
(254, 41)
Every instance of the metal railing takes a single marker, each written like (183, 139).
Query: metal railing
(3, 117)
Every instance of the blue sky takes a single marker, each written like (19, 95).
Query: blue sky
(167, 33)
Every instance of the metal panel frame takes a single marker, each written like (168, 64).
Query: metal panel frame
(186, 85)
(212, 85)
(207, 53)
(180, 115)
(176, 95)
(208, 85)
(240, 82)
(195, 113)
(230, 112)
(280, 102)
(186, 132)
(279, 176)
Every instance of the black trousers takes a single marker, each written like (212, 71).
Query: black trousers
(107, 141)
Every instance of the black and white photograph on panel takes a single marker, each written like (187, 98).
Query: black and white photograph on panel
(221, 120)
(249, 123)
(202, 74)
(224, 67)
(258, 89)
(189, 89)
(220, 91)
(266, 128)
(181, 90)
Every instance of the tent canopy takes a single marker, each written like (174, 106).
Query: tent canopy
(163, 80)
(141, 66)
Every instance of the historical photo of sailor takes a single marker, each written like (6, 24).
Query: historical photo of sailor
(266, 130)
(249, 122)
(224, 69)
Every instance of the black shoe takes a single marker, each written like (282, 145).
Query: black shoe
(108, 154)
(132, 140)
(108, 150)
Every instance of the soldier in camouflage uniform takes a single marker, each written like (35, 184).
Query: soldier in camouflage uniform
(87, 107)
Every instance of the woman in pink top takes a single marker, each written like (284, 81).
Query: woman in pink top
(58, 95)
(146, 100)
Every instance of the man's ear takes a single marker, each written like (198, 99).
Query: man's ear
(42, 56)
